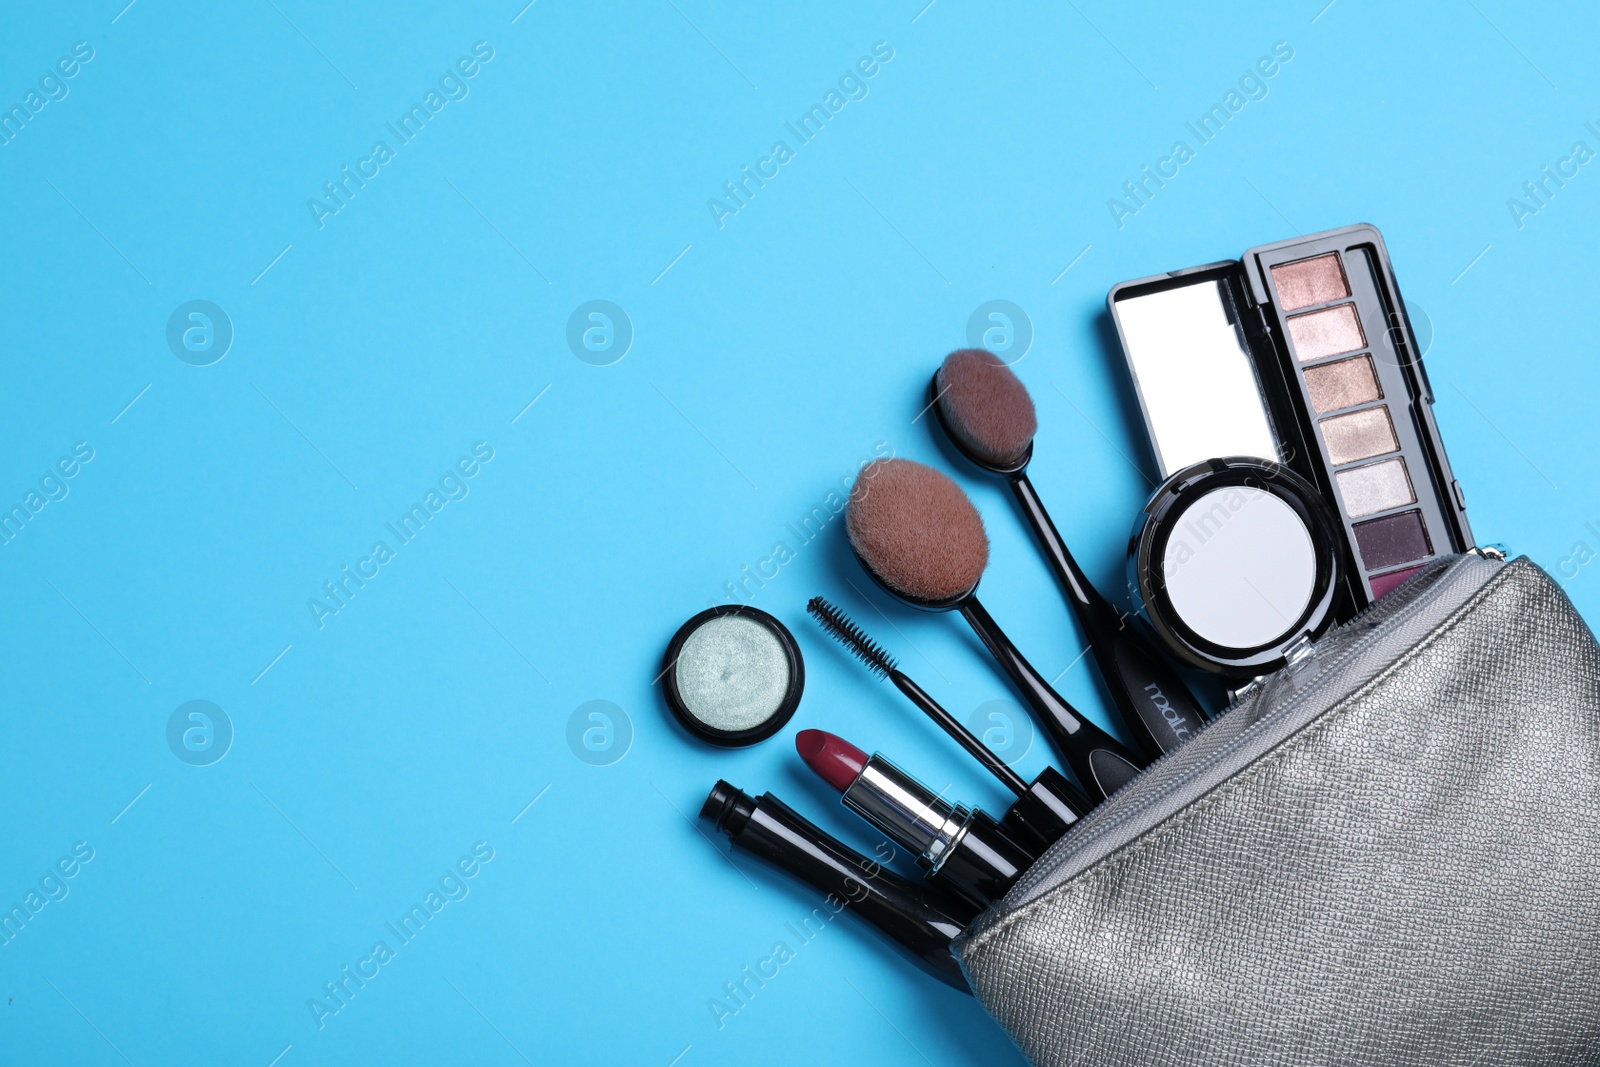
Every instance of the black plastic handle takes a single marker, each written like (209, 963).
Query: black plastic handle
(1101, 762)
(952, 726)
(1155, 704)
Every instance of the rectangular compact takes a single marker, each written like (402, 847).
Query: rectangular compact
(1302, 353)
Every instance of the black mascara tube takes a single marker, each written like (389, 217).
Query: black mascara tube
(920, 920)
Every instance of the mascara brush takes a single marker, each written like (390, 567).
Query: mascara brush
(1046, 807)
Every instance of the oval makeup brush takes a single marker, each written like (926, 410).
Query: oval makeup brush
(988, 415)
(919, 537)
(1046, 807)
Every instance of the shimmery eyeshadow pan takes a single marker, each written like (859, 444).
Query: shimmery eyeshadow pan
(1392, 539)
(1358, 435)
(1375, 487)
(1342, 384)
(733, 675)
(1329, 332)
(1310, 281)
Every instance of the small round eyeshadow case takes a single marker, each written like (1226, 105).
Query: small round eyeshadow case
(733, 675)
(1235, 562)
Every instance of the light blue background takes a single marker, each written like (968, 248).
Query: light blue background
(770, 357)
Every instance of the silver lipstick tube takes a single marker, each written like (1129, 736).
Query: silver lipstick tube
(907, 812)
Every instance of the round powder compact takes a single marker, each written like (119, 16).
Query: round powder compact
(733, 675)
(1235, 563)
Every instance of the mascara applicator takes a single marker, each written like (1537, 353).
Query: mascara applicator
(988, 415)
(919, 537)
(1045, 807)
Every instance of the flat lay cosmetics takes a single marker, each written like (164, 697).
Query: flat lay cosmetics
(919, 537)
(918, 918)
(963, 850)
(1302, 354)
(1301, 480)
(989, 416)
(1046, 807)
(733, 675)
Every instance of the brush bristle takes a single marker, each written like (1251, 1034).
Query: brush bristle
(916, 530)
(853, 637)
(986, 406)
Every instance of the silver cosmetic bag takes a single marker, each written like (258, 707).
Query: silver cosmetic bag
(1387, 855)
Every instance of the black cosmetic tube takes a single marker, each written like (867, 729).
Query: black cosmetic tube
(919, 919)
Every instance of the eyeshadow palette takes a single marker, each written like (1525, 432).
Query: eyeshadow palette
(1301, 353)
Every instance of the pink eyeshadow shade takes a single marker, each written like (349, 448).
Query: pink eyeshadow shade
(1329, 332)
(1310, 281)
(1383, 583)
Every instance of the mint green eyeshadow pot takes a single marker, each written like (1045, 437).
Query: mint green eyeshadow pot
(733, 675)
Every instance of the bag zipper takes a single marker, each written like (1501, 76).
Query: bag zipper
(1262, 715)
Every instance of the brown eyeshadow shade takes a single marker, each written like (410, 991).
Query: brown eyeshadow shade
(1392, 539)
(1328, 332)
(1343, 384)
(1358, 435)
(1310, 281)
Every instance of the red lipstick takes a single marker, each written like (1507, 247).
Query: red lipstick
(963, 850)
(836, 761)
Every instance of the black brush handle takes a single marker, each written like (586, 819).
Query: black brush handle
(1051, 806)
(1153, 701)
(1101, 762)
(947, 722)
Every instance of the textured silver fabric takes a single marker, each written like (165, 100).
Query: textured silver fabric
(1393, 862)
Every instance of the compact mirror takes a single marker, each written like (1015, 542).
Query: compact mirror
(1193, 374)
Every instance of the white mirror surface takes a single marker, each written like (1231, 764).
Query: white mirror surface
(1195, 380)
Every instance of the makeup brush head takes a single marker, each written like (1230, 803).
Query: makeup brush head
(916, 531)
(985, 407)
(853, 637)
